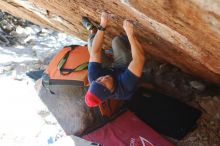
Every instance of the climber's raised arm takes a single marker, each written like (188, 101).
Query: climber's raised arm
(138, 55)
(95, 54)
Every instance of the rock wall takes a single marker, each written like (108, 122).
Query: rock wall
(185, 33)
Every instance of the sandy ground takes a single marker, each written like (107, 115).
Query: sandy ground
(24, 118)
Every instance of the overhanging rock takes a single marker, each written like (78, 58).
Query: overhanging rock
(185, 33)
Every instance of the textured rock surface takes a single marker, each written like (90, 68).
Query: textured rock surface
(185, 33)
(69, 108)
(211, 106)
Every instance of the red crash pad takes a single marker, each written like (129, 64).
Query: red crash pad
(127, 130)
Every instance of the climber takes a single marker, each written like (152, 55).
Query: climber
(120, 80)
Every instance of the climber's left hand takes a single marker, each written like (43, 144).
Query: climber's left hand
(104, 19)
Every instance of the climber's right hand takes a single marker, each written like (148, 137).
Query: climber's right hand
(128, 27)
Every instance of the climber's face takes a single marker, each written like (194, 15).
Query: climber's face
(106, 81)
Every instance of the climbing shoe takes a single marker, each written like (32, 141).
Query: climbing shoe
(87, 23)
